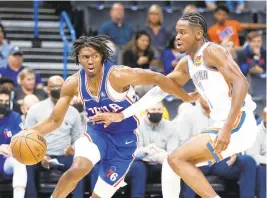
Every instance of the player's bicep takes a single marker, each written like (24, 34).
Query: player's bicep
(180, 75)
(134, 76)
(218, 57)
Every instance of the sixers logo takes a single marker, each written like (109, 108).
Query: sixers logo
(7, 133)
(112, 174)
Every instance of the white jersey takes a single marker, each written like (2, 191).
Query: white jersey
(212, 85)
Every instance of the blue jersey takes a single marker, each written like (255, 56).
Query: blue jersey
(104, 102)
(10, 125)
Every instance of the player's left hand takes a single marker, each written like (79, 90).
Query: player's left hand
(194, 96)
(106, 118)
(222, 140)
(232, 160)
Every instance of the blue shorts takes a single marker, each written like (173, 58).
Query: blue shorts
(117, 152)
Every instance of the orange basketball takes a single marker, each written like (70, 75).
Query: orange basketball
(29, 147)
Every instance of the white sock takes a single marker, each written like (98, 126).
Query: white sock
(18, 193)
(170, 181)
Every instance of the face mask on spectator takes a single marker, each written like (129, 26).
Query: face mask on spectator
(78, 106)
(4, 109)
(154, 117)
(55, 93)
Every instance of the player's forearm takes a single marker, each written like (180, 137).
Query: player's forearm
(240, 89)
(151, 98)
(169, 86)
(46, 126)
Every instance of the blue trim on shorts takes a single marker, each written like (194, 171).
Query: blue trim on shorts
(215, 155)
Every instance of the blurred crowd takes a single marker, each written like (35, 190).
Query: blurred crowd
(26, 100)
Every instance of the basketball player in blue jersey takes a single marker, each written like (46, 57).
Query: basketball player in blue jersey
(102, 87)
(219, 80)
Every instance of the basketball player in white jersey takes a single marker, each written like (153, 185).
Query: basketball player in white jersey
(219, 80)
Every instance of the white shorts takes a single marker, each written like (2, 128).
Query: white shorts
(243, 136)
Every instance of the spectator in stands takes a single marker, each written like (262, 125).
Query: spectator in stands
(139, 53)
(10, 85)
(117, 29)
(255, 53)
(233, 6)
(59, 143)
(170, 57)
(259, 152)
(10, 124)
(238, 55)
(190, 8)
(26, 80)
(159, 34)
(27, 102)
(228, 28)
(157, 138)
(5, 48)
(240, 167)
(15, 66)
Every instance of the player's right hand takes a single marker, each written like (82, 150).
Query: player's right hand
(5, 150)
(45, 162)
(106, 118)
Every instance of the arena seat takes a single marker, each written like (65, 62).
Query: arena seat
(5, 188)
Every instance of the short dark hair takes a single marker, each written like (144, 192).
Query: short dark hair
(223, 8)
(4, 80)
(4, 90)
(99, 43)
(195, 18)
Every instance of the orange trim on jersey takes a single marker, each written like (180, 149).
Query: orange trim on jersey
(117, 183)
(230, 87)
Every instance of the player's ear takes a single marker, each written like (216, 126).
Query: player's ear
(199, 34)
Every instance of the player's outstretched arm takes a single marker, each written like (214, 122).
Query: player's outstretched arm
(68, 90)
(126, 76)
(179, 77)
(217, 56)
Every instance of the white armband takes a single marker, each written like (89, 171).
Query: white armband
(151, 98)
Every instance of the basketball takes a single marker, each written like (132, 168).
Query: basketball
(29, 147)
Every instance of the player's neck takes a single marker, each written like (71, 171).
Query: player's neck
(96, 78)
(195, 49)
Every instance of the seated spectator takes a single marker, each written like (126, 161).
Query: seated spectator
(15, 66)
(5, 48)
(139, 53)
(159, 34)
(239, 167)
(117, 29)
(157, 138)
(233, 6)
(59, 142)
(258, 152)
(238, 55)
(255, 53)
(10, 124)
(190, 8)
(228, 28)
(9, 85)
(170, 57)
(27, 102)
(26, 80)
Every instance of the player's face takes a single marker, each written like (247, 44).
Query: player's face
(91, 61)
(220, 16)
(185, 38)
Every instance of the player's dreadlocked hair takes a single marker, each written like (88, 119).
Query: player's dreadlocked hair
(99, 43)
(196, 19)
